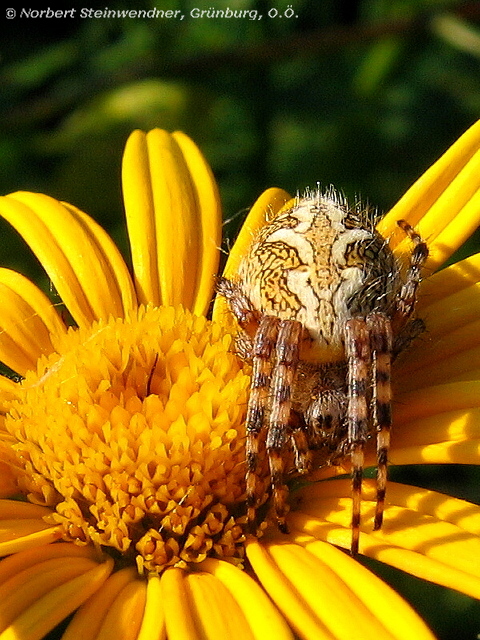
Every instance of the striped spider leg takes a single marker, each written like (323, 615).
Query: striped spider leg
(274, 353)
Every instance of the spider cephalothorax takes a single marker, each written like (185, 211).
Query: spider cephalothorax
(323, 309)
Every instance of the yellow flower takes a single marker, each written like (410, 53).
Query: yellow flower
(125, 436)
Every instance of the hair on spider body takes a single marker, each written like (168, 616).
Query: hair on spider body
(323, 309)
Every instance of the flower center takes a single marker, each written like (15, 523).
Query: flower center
(133, 432)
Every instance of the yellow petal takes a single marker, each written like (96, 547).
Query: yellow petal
(449, 350)
(398, 618)
(448, 281)
(441, 359)
(412, 562)
(179, 619)
(443, 205)
(464, 452)
(436, 424)
(124, 617)
(435, 400)
(263, 618)
(461, 513)
(121, 288)
(50, 609)
(266, 206)
(24, 534)
(430, 537)
(69, 253)
(163, 219)
(28, 320)
(210, 220)
(140, 217)
(153, 623)
(22, 526)
(279, 588)
(452, 312)
(326, 593)
(22, 590)
(453, 235)
(88, 620)
(217, 614)
(450, 426)
(18, 510)
(23, 560)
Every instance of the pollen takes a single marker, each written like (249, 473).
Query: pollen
(132, 432)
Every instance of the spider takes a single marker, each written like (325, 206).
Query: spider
(323, 309)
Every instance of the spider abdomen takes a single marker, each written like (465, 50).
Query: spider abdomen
(319, 264)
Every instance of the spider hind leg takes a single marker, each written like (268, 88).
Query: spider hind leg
(381, 344)
(357, 352)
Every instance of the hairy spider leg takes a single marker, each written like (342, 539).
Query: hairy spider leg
(357, 352)
(380, 331)
(262, 357)
(408, 293)
(279, 425)
(239, 304)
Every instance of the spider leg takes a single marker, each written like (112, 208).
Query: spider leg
(380, 331)
(301, 445)
(357, 351)
(239, 304)
(279, 429)
(262, 357)
(408, 293)
(410, 332)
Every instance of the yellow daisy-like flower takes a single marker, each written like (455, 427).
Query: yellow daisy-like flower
(125, 436)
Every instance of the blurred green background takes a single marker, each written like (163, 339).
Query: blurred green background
(362, 94)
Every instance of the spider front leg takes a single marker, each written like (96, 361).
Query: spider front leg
(407, 296)
(256, 343)
(262, 357)
(368, 348)
(280, 431)
(239, 304)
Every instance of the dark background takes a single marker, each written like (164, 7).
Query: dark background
(361, 94)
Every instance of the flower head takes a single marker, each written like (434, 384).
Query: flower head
(125, 436)
(130, 432)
